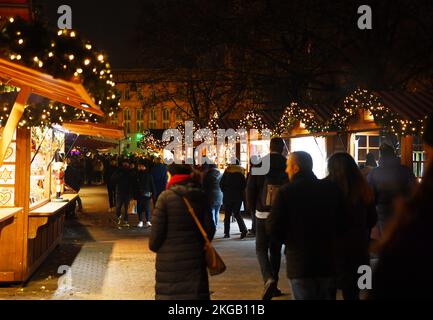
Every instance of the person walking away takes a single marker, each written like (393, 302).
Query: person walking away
(389, 181)
(111, 187)
(370, 164)
(260, 193)
(360, 217)
(73, 181)
(306, 216)
(89, 169)
(144, 192)
(160, 177)
(404, 270)
(181, 270)
(233, 184)
(211, 185)
(98, 167)
(251, 207)
(124, 182)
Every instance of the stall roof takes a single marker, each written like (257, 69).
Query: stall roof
(67, 92)
(409, 105)
(94, 129)
(93, 143)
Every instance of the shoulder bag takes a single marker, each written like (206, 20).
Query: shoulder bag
(214, 262)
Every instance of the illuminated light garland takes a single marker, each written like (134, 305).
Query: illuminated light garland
(149, 143)
(252, 120)
(294, 115)
(63, 55)
(384, 117)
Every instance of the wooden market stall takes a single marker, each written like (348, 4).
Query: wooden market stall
(363, 133)
(31, 221)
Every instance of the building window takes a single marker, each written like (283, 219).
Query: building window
(127, 120)
(179, 119)
(140, 120)
(153, 119)
(114, 119)
(165, 118)
(365, 144)
(127, 94)
(419, 157)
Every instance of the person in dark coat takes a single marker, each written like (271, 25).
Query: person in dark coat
(124, 180)
(268, 251)
(306, 216)
(111, 187)
(389, 181)
(233, 184)
(404, 270)
(74, 181)
(160, 177)
(144, 193)
(211, 185)
(360, 217)
(181, 270)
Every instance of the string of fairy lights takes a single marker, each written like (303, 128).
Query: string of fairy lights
(62, 54)
(383, 116)
(295, 115)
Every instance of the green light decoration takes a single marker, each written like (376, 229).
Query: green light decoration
(61, 54)
(148, 143)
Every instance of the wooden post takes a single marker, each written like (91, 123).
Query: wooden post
(13, 120)
(22, 192)
(407, 151)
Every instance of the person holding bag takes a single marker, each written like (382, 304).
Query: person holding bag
(178, 241)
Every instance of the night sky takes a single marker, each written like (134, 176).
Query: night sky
(109, 25)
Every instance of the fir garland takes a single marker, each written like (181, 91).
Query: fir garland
(63, 55)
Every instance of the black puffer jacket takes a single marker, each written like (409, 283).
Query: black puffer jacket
(233, 184)
(277, 174)
(181, 272)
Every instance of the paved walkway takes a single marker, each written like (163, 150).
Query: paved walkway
(97, 261)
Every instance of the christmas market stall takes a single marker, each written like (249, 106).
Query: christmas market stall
(47, 79)
(31, 219)
(363, 122)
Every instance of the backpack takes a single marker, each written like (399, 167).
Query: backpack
(271, 186)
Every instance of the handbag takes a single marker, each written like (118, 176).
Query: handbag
(215, 263)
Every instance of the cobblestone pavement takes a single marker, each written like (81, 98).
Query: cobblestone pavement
(97, 261)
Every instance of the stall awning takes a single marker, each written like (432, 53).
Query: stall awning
(35, 82)
(95, 130)
(93, 143)
(67, 92)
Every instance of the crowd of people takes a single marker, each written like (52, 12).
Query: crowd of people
(324, 225)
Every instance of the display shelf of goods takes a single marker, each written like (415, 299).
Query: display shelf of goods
(41, 154)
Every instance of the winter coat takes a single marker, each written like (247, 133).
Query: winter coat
(277, 172)
(143, 184)
(160, 177)
(123, 179)
(305, 216)
(73, 178)
(108, 173)
(404, 271)
(181, 272)
(353, 240)
(389, 181)
(211, 185)
(233, 184)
